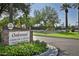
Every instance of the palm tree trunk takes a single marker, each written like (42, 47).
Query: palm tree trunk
(11, 13)
(78, 19)
(66, 15)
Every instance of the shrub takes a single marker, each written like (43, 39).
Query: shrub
(0, 36)
(37, 42)
(73, 29)
(44, 43)
(23, 49)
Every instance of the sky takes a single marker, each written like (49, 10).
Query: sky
(72, 15)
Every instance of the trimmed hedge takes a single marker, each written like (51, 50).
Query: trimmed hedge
(23, 49)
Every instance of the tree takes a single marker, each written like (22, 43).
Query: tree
(48, 16)
(3, 7)
(65, 7)
(18, 23)
(3, 23)
(22, 20)
(76, 5)
(12, 8)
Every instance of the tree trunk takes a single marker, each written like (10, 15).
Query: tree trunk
(11, 13)
(31, 35)
(78, 19)
(31, 32)
(66, 19)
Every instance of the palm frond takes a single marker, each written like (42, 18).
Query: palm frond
(65, 6)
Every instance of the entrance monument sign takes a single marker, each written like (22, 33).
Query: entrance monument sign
(18, 36)
(14, 37)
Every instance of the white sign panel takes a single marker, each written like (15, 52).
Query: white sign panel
(18, 36)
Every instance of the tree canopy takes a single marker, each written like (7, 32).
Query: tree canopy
(47, 17)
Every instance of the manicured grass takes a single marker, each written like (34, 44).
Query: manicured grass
(70, 35)
(23, 49)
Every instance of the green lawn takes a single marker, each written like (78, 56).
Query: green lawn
(71, 35)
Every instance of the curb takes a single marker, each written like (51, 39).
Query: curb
(58, 37)
(52, 51)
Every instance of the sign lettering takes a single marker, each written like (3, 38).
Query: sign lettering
(18, 36)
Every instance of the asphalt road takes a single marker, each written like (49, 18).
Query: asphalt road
(68, 47)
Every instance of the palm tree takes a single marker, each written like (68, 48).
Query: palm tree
(65, 7)
(76, 5)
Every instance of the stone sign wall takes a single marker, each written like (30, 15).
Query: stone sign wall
(4, 37)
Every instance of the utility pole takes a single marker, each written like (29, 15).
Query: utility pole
(78, 19)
